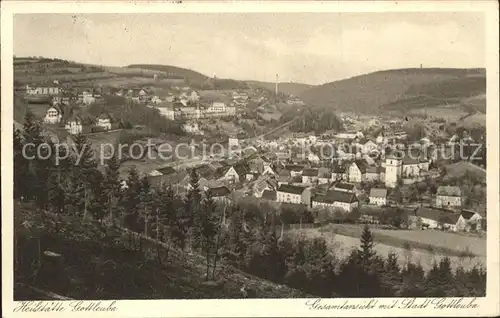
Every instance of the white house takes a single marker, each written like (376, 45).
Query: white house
(192, 128)
(86, 98)
(293, 194)
(53, 115)
(448, 196)
(357, 171)
(310, 176)
(155, 100)
(469, 221)
(104, 121)
(336, 199)
(378, 196)
(74, 125)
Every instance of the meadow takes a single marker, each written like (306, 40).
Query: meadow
(341, 245)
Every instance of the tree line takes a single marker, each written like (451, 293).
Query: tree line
(248, 237)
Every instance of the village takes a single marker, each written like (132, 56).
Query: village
(338, 176)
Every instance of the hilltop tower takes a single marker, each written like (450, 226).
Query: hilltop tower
(393, 169)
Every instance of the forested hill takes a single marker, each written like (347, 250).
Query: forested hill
(398, 89)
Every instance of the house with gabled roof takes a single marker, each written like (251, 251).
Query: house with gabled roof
(357, 171)
(344, 187)
(339, 172)
(310, 176)
(74, 124)
(234, 173)
(336, 199)
(287, 193)
(433, 218)
(295, 170)
(53, 115)
(104, 121)
(448, 196)
(374, 173)
(469, 221)
(324, 175)
(378, 196)
(219, 194)
(264, 183)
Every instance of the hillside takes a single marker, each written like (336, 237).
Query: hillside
(398, 90)
(97, 262)
(172, 71)
(295, 89)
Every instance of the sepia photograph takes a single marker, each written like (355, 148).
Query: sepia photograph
(192, 155)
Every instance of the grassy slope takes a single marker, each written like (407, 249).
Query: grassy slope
(421, 87)
(102, 266)
(289, 88)
(172, 70)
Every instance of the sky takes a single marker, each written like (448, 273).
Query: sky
(313, 48)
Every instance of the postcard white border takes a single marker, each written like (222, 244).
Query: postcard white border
(263, 308)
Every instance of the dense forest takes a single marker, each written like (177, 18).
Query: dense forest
(240, 235)
(312, 120)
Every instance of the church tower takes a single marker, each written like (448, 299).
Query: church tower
(393, 169)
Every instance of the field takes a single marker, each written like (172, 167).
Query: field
(78, 77)
(449, 112)
(344, 238)
(458, 169)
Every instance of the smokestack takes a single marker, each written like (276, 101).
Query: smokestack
(277, 80)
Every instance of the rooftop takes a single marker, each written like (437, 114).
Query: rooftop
(378, 193)
(288, 188)
(269, 195)
(449, 191)
(332, 196)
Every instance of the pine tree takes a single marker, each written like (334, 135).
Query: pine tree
(319, 268)
(112, 187)
(38, 169)
(413, 281)
(366, 252)
(236, 245)
(272, 260)
(56, 193)
(145, 205)
(83, 173)
(20, 166)
(439, 279)
(391, 277)
(98, 199)
(192, 217)
(131, 201)
(209, 229)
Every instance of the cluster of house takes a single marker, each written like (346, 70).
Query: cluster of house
(265, 177)
(73, 123)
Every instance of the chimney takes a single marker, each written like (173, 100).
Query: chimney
(277, 79)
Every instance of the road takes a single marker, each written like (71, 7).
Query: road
(252, 139)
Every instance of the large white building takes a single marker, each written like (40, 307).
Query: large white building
(42, 90)
(333, 199)
(287, 193)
